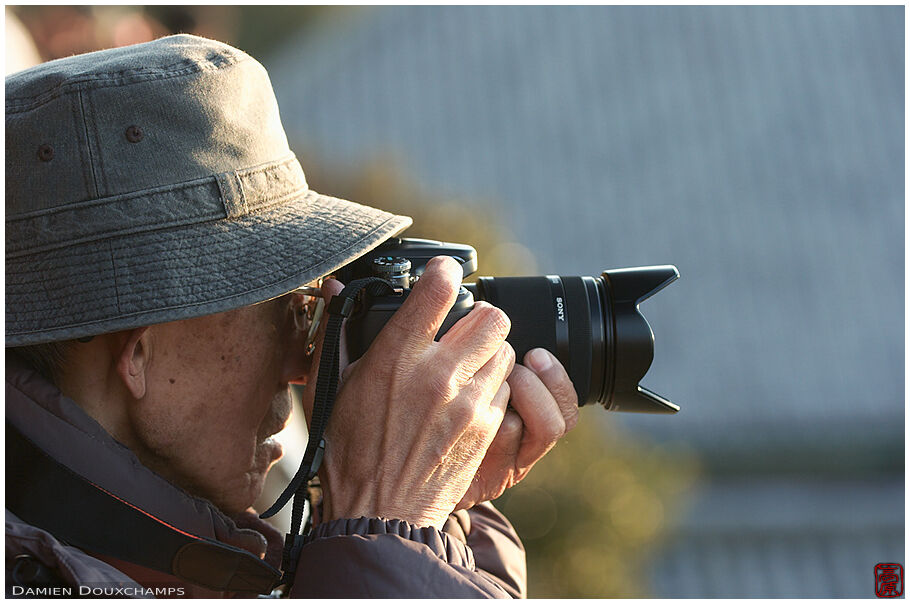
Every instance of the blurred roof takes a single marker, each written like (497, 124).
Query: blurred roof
(780, 538)
(760, 149)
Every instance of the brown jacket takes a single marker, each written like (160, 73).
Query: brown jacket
(477, 555)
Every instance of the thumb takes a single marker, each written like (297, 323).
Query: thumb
(415, 324)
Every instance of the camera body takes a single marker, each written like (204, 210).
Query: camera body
(401, 261)
(591, 324)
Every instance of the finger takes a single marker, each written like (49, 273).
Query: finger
(504, 448)
(553, 375)
(422, 313)
(497, 470)
(492, 377)
(331, 287)
(476, 337)
(501, 399)
(539, 412)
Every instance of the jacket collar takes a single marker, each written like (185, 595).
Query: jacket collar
(65, 432)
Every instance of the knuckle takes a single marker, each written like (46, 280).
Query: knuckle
(571, 419)
(497, 321)
(461, 413)
(436, 292)
(507, 354)
(462, 374)
(445, 270)
(520, 379)
(563, 390)
(557, 429)
(442, 263)
(444, 384)
(512, 427)
(505, 390)
(568, 394)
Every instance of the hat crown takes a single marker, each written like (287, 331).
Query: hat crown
(130, 119)
(154, 183)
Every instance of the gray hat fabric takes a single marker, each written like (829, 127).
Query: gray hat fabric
(154, 183)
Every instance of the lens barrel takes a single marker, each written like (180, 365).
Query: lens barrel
(592, 325)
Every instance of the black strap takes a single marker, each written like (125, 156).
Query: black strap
(338, 309)
(45, 493)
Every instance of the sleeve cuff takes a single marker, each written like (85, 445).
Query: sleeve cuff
(448, 548)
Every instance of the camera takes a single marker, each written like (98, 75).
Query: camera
(591, 324)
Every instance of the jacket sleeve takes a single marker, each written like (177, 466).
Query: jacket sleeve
(377, 558)
(498, 552)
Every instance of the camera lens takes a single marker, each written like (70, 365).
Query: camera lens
(592, 325)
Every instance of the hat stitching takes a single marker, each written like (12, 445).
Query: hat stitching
(274, 172)
(281, 163)
(110, 253)
(29, 247)
(97, 155)
(128, 76)
(248, 236)
(264, 204)
(101, 201)
(80, 145)
(14, 252)
(275, 164)
(270, 265)
(329, 262)
(283, 284)
(199, 219)
(93, 182)
(232, 197)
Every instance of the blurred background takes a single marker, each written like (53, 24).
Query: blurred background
(760, 149)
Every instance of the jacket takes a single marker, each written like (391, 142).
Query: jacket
(477, 554)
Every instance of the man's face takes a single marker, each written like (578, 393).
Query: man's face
(217, 389)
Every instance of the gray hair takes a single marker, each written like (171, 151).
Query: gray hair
(47, 359)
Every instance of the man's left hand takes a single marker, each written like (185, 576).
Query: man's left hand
(543, 408)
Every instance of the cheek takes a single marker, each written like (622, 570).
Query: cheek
(211, 402)
(210, 407)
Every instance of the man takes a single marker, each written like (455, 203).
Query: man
(157, 228)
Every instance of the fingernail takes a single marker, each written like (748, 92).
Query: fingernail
(539, 359)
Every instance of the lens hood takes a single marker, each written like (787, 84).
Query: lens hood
(632, 340)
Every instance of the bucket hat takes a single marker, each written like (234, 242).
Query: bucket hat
(154, 183)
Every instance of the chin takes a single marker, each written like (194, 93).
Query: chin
(238, 505)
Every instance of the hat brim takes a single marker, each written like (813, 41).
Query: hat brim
(188, 271)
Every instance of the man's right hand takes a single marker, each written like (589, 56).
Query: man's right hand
(414, 418)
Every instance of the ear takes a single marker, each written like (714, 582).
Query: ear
(133, 361)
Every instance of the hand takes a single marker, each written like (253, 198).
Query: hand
(544, 408)
(413, 418)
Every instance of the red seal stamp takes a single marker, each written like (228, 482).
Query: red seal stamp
(889, 580)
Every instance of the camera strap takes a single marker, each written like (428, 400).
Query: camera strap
(339, 308)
